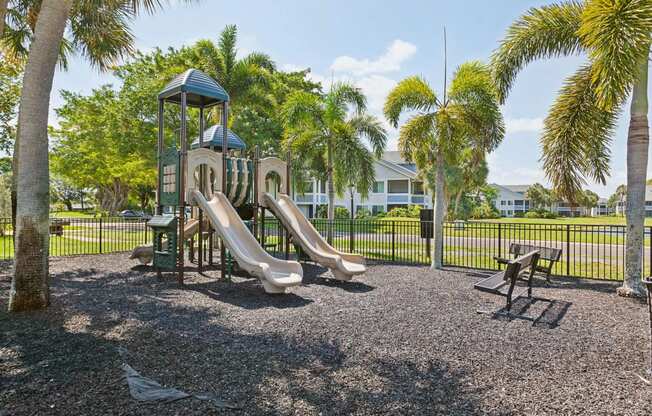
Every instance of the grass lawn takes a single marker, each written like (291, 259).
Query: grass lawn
(72, 214)
(605, 220)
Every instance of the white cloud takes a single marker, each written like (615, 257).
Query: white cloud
(524, 125)
(366, 74)
(397, 52)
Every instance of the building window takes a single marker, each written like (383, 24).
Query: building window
(359, 207)
(377, 209)
(398, 187)
(378, 188)
(502, 202)
(518, 203)
(308, 187)
(417, 188)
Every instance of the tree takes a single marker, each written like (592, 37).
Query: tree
(618, 197)
(328, 132)
(247, 80)
(10, 74)
(615, 36)
(467, 176)
(466, 116)
(589, 199)
(99, 31)
(101, 145)
(64, 192)
(539, 196)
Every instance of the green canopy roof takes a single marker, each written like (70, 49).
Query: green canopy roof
(200, 89)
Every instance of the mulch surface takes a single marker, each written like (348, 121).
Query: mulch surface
(398, 340)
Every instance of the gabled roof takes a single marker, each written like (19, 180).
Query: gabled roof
(213, 137)
(522, 189)
(200, 89)
(397, 168)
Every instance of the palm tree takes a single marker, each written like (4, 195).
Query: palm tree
(467, 116)
(615, 36)
(3, 13)
(99, 30)
(469, 174)
(329, 131)
(246, 79)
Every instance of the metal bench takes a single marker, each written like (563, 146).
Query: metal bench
(547, 257)
(504, 283)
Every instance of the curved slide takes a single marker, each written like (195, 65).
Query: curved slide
(343, 265)
(276, 275)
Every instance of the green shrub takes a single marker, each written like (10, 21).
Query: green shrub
(398, 212)
(362, 213)
(342, 213)
(541, 213)
(532, 214)
(484, 211)
(412, 211)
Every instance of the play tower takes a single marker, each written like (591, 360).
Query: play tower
(200, 186)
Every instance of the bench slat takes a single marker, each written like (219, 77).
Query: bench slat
(492, 284)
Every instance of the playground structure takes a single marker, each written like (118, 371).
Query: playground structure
(211, 180)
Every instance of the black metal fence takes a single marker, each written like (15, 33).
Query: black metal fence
(77, 236)
(593, 251)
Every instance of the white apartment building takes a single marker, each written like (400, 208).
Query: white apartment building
(511, 200)
(396, 185)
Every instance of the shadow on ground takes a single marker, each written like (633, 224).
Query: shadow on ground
(66, 360)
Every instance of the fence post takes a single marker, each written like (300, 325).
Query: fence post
(650, 259)
(351, 237)
(500, 245)
(567, 249)
(100, 235)
(393, 240)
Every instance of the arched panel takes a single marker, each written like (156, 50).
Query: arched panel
(197, 158)
(266, 166)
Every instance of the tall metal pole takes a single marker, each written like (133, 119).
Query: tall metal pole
(225, 148)
(182, 187)
(288, 189)
(202, 189)
(255, 191)
(159, 151)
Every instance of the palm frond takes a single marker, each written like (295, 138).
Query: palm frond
(227, 47)
(617, 36)
(474, 98)
(342, 98)
(300, 109)
(369, 127)
(260, 60)
(576, 137)
(412, 93)
(417, 136)
(100, 31)
(353, 162)
(544, 32)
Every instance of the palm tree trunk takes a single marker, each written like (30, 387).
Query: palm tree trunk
(638, 139)
(3, 14)
(29, 286)
(331, 194)
(438, 223)
(457, 203)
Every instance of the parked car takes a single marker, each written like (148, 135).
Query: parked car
(129, 214)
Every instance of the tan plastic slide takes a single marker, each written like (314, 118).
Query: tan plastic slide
(343, 265)
(276, 275)
(145, 253)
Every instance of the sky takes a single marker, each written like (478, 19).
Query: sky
(375, 44)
